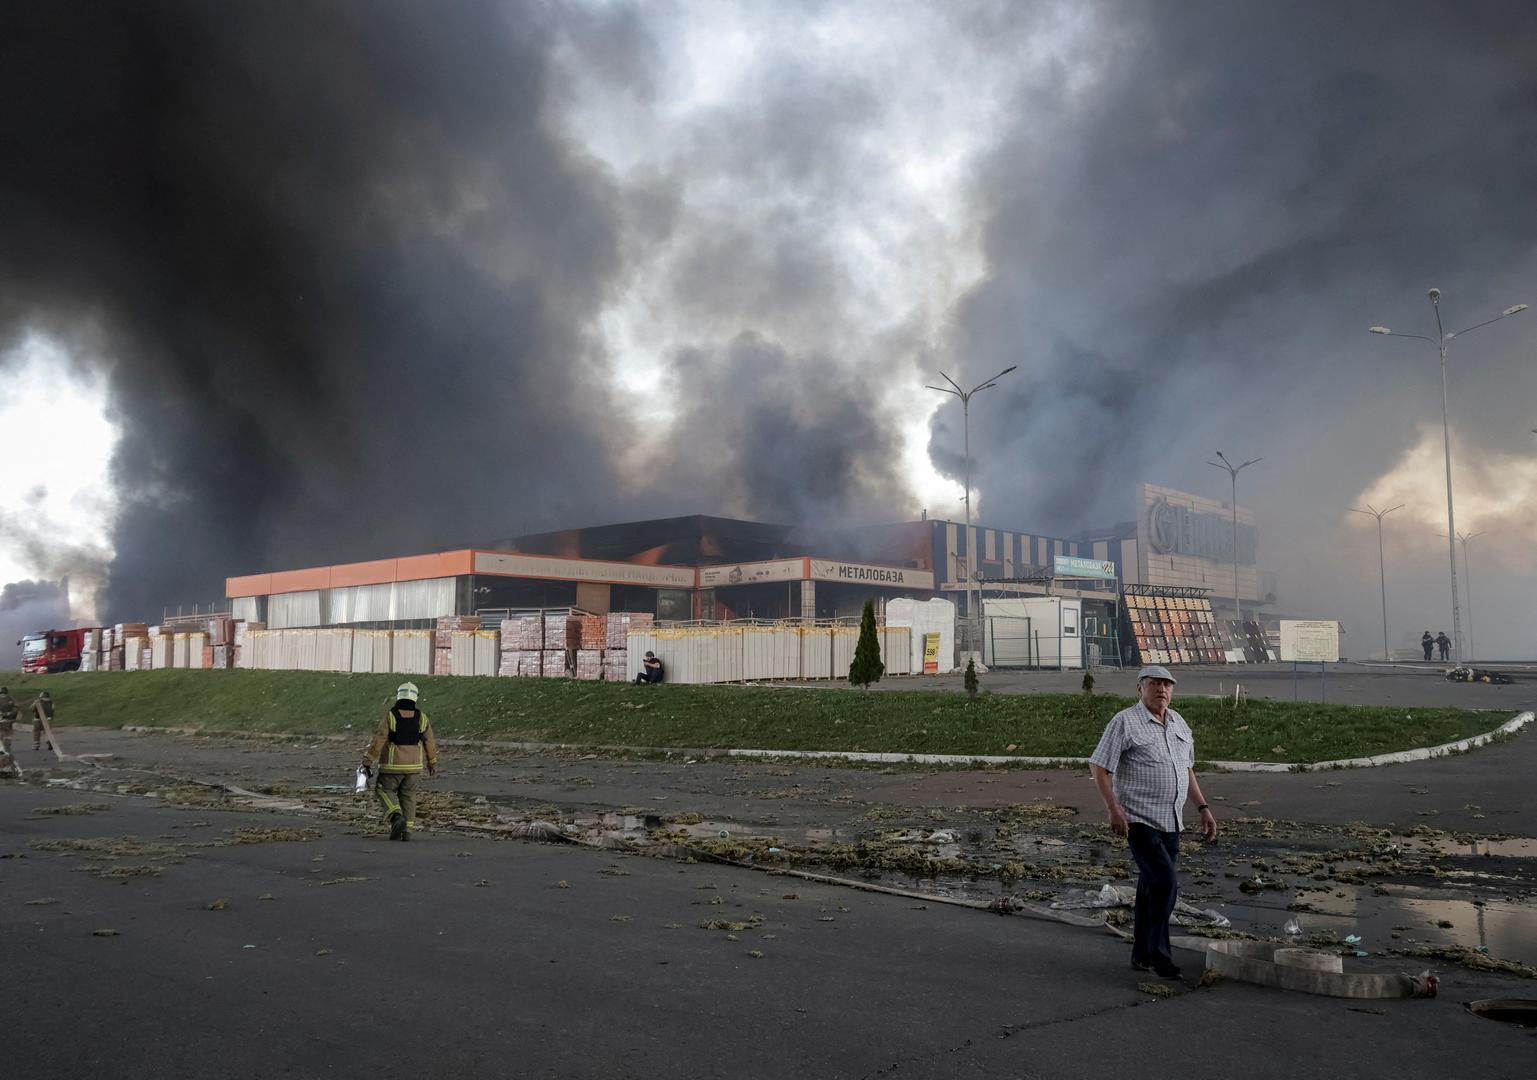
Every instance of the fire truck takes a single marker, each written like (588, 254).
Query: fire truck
(51, 651)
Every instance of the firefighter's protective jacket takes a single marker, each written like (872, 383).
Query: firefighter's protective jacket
(403, 741)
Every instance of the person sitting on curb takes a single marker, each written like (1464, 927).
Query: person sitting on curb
(402, 745)
(650, 670)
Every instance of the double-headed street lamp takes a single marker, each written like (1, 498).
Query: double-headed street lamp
(965, 396)
(1382, 573)
(1441, 341)
(1233, 471)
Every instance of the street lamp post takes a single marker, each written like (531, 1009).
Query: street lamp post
(1441, 341)
(965, 396)
(1467, 575)
(1233, 471)
(1382, 573)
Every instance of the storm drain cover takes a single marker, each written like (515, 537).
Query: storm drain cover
(1522, 1011)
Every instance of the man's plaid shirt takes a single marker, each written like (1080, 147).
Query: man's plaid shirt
(1151, 763)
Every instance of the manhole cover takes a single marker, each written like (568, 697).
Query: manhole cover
(1521, 1011)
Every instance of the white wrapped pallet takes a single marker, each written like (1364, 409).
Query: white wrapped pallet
(179, 651)
(194, 650)
(760, 658)
(333, 650)
(816, 652)
(639, 641)
(411, 652)
(488, 651)
(896, 650)
(462, 648)
(922, 617)
(845, 641)
(133, 649)
(162, 652)
(88, 660)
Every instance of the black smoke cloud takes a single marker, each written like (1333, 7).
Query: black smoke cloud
(337, 260)
(1185, 251)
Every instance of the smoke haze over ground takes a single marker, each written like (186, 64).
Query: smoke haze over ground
(374, 278)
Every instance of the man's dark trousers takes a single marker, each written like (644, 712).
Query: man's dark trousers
(1157, 892)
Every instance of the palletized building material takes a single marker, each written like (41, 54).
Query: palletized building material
(333, 650)
(371, 650)
(615, 664)
(178, 651)
(593, 633)
(463, 649)
(88, 661)
(488, 649)
(221, 630)
(107, 641)
(114, 659)
(133, 652)
(194, 650)
(90, 641)
(923, 617)
(299, 650)
(146, 658)
(589, 664)
(552, 663)
(411, 652)
(219, 658)
(124, 630)
(523, 633)
(641, 641)
(620, 623)
(562, 632)
(896, 650)
(816, 652)
(443, 656)
(162, 652)
(845, 641)
(449, 624)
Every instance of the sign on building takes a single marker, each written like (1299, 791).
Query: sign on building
(1071, 566)
(1310, 640)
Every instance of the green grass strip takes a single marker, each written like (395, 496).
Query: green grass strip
(893, 721)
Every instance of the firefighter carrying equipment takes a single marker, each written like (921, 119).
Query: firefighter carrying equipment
(403, 742)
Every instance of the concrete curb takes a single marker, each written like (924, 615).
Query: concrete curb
(1510, 727)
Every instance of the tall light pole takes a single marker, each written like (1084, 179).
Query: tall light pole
(965, 396)
(1233, 471)
(1382, 573)
(1467, 573)
(1441, 341)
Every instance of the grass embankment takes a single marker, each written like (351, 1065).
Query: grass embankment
(730, 716)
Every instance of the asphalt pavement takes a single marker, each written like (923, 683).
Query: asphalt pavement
(458, 956)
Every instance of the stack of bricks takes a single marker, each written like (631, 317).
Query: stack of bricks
(593, 632)
(562, 637)
(615, 664)
(589, 664)
(443, 655)
(617, 641)
(522, 636)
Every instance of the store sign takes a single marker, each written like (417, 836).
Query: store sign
(1310, 640)
(552, 568)
(930, 654)
(1173, 529)
(754, 573)
(1071, 566)
(895, 577)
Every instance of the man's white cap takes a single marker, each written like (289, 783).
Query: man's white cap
(409, 692)
(1153, 671)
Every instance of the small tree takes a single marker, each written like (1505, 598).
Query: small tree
(971, 678)
(867, 666)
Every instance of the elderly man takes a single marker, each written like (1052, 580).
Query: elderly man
(1144, 767)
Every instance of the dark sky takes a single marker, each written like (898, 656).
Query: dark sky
(381, 277)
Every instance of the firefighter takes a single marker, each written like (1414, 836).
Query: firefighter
(401, 747)
(8, 713)
(42, 709)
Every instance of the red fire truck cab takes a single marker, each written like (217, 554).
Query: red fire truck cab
(51, 651)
